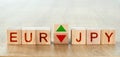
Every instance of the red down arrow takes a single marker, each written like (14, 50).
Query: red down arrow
(61, 37)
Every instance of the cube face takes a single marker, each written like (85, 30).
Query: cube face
(60, 34)
(108, 36)
(78, 36)
(43, 37)
(60, 38)
(14, 36)
(93, 36)
(28, 37)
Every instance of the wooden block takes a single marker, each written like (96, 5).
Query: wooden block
(78, 35)
(14, 36)
(60, 38)
(93, 36)
(107, 36)
(60, 28)
(28, 35)
(43, 35)
(60, 34)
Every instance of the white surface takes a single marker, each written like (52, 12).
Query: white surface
(43, 28)
(84, 13)
(35, 28)
(79, 28)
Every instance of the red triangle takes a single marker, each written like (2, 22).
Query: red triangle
(61, 37)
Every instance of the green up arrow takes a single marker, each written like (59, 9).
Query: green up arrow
(61, 29)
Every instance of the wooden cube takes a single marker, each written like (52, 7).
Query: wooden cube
(78, 35)
(60, 38)
(43, 35)
(28, 35)
(108, 36)
(14, 36)
(60, 28)
(93, 36)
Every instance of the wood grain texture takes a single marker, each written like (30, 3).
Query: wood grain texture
(78, 36)
(63, 50)
(108, 36)
(57, 41)
(14, 35)
(61, 34)
(93, 36)
(43, 37)
(28, 37)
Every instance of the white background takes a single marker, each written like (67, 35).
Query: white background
(37, 13)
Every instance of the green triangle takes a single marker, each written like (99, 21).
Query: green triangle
(61, 29)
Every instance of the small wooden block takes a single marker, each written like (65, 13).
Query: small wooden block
(14, 36)
(28, 35)
(108, 36)
(60, 28)
(93, 36)
(60, 38)
(43, 35)
(78, 35)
